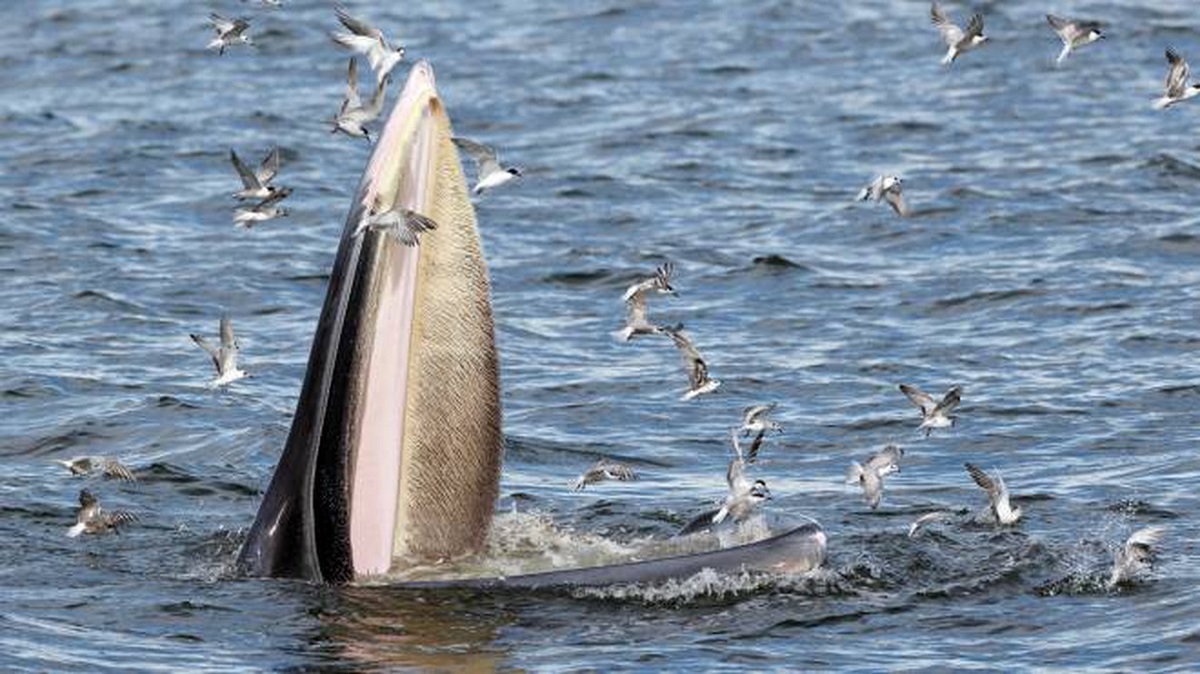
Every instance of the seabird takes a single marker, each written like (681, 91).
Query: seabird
(750, 455)
(267, 209)
(604, 469)
(354, 113)
(490, 174)
(255, 184)
(108, 466)
(869, 475)
(997, 492)
(636, 297)
(698, 378)
(403, 223)
(225, 357)
(743, 495)
(755, 419)
(91, 518)
(920, 522)
(230, 32)
(1136, 556)
(1074, 34)
(934, 414)
(957, 40)
(659, 283)
(886, 188)
(1177, 88)
(369, 41)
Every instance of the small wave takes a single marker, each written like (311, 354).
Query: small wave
(986, 297)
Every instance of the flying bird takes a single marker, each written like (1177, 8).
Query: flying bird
(490, 173)
(1074, 34)
(869, 474)
(107, 466)
(224, 357)
(267, 209)
(697, 370)
(604, 469)
(369, 41)
(957, 40)
(1177, 88)
(997, 491)
(403, 223)
(934, 414)
(354, 113)
(756, 419)
(92, 519)
(885, 188)
(1136, 556)
(636, 322)
(230, 32)
(256, 184)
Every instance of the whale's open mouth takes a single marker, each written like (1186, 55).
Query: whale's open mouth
(395, 448)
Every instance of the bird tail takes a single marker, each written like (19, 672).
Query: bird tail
(1062, 56)
(74, 531)
(1163, 103)
(951, 54)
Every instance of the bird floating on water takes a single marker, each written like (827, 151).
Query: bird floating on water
(369, 41)
(886, 188)
(105, 465)
(224, 357)
(934, 414)
(1074, 34)
(92, 519)
(998, 499)
(230, 32)
(1136, 556)
(958, 41)
(869, 474)
(354, 113)
(1177, 88)
(256, 184)
(604, 469)
(490, 174)
(698, 379)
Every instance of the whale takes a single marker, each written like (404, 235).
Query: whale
(394, 454)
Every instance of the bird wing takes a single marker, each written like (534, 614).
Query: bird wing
(735, 475)
(1058, 23)
(1146, 538)
(1177, 75)
(269, 167)
(484, 155)
(375, 107)
(275, 196)
(885, 457)
(114, 468)
(212, 351)
(895, 199)
(227, 339)
(635, 310)
(249, 180)
(697, 370)
(662, 276)
(617, 471)
(357, 26)
(974, 27)
(221, 24)
(950, 400)
(919, 398)
(755, 445)
(755, 413)
(984, 480)
(351, 101)
(951, 34)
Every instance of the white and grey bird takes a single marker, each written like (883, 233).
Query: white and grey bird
(869, 474)
(105, 465)
(886, 188)
(756, 419)
(224, 357)
(1177, 88)
(354, 114)
(1074, 34)
(998, 499)
(604, 469)
(934, 413)
(923, 520)
(256, 184)
(267, 209)
(490, 174)
(369, 41)
(743, 496)
(698, 379)
(1136, 556)
(958, 41)
(403, 223)
(92, 519)
(230, 32)
(636, 299)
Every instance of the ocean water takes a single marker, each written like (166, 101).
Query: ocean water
(1050, 268)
